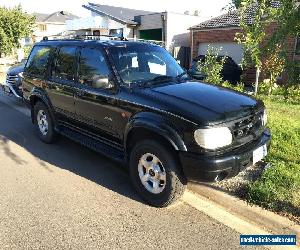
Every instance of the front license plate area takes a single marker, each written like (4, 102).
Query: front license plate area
(260, 153)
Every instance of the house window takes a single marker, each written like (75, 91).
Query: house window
(116, 32)
(297, 52)
(42, 27)
(96, 33)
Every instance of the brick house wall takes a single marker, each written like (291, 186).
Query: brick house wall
(228, 35)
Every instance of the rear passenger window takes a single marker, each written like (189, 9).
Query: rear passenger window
(93, 69)
(37, 61)
(64, 63)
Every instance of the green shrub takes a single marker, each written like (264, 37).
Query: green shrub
(211, 67)
(289, 94)
(239, 87)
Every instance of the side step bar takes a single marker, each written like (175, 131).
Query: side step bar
(93, 143)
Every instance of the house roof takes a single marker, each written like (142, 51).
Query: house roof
(230, 19)
(56, 17)
(120, 14)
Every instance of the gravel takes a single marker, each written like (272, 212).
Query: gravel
(237, 185)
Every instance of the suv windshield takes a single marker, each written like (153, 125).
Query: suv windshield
(145, 63)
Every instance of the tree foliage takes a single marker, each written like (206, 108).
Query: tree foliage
(236, 3)
(14, 25)
(233, 5)
(274, 66)
(287, 20)
(255, 16)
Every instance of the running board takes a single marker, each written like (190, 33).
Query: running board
(94, 144)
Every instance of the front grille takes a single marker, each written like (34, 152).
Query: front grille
(248, 128)
(11, 79)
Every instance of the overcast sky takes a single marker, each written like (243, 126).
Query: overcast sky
(207, 8)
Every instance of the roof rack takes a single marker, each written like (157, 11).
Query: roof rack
(103, 37)
(86, 37)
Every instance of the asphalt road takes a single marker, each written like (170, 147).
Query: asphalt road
(65, 196)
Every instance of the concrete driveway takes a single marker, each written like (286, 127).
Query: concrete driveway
(65, 196)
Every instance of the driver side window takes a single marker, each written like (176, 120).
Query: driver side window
(93, 70)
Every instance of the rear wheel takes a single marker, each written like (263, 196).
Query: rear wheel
(156, 174)
(43, 123)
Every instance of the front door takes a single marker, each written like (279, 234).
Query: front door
(95, 102)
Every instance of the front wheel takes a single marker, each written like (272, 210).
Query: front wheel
(155, 173)
(43, 123)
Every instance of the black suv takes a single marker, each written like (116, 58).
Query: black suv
(132, 102)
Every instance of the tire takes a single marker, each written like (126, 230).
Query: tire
(172, 182)
(47, 135)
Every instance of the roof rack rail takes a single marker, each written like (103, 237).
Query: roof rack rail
(98, 37)
(85, 37)
(104, 37)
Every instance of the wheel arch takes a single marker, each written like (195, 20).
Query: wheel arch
(140, 129)
(37, 96)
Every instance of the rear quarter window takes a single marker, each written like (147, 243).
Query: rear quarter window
(38, 60)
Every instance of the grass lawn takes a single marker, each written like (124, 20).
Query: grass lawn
(279, 186)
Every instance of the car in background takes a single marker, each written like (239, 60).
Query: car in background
(13, 83)
(231, 70)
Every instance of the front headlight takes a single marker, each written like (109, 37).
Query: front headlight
(265, 118)
(212, 138)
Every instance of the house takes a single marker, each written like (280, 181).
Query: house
(220, 32)
(170, 29)
(52, 26)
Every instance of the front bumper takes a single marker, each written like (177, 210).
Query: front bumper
(204, 168)
(14, 89)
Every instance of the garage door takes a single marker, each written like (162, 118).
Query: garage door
(153, 34)
(233, 50)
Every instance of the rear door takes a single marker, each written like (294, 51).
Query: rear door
(61, 82)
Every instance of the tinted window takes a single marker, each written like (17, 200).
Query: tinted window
(93, 69)
(64, 63)
(37, 61)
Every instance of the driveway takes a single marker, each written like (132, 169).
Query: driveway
(65, 196)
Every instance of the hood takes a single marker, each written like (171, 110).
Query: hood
(203, 103)
(16, 69)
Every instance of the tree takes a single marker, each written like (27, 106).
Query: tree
(14, 25)
(274, 66)
(237, 3)
(255, 16)
(233, 5)
(287, 20)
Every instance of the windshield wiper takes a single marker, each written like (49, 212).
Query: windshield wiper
(160, 79)
(181, 75)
